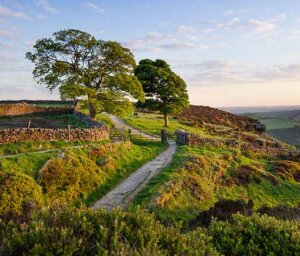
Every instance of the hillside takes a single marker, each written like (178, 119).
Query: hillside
(200, 115)
(201, 176)
(231, 167)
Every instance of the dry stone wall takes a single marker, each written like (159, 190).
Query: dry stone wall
(41, 134)
(96, 131)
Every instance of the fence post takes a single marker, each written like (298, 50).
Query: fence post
(69, 133)
(29, 124)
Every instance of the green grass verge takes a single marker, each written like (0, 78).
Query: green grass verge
(27, 147)
(154, 123)
(29, 164)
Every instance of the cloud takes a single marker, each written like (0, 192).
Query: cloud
(229, 12)
(186, 29)
(294, 35)
(155, 37)
(260, 26)
(183, 46)
(280, 72)
(6, 12)
(46, 6)
(4, 45)
(252, 25)
(95, 7)
(134, 44)
(230, 24)
(7, 58)
(7, 34)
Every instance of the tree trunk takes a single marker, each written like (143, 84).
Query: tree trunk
(92, 111)
(166, 120)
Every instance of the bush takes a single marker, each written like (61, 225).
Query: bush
(71, 231)
(17, 191)
(65, 179)
(256, 235)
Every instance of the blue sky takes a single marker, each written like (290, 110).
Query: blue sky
(229, 52)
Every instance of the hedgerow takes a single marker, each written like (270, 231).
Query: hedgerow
(72, 231)
(256, 235)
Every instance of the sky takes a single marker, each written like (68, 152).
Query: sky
(229, 52)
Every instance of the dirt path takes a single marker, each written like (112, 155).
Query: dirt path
(120, 123)
(122, 195)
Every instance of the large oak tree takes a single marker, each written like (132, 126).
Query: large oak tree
(101, 72)
(164, 90)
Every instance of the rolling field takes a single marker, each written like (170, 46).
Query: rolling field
(273, 123)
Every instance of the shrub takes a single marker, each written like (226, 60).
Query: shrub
(288, 170)
(222, 210)
(17, 191)
(65, 179)
(256, 235)
(71, 231)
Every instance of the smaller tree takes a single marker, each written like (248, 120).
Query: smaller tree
(164, 90)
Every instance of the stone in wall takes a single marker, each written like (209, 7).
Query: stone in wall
(41, 134)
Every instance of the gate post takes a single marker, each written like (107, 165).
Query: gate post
(163, 136)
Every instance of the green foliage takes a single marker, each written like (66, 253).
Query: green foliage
(256, 235)
(82, 66)
(17, 189)
(165, 91)
(71, 231)
(65, 179)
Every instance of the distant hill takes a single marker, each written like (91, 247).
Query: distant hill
(241, 110)
(293, 115)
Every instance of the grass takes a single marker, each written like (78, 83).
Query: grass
(264, 193)
(278, 123)
(102, 117)
(27, 147)
(178, 186)
(154, 123)
(28, 164)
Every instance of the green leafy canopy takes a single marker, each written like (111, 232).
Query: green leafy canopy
(84, 67)
(164, 90)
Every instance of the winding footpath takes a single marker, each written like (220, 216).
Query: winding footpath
(119, 123)
(123, 194)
